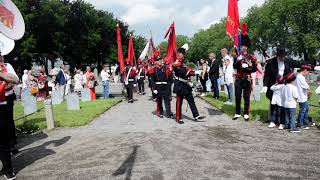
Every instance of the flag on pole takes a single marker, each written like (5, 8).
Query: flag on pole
(233, 22)
(131, 54)
(144, 52)
(120, 54)
(172, 44)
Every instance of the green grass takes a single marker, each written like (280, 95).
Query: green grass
(63, 117)
(259, 110)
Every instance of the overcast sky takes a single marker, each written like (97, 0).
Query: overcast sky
(157, 15)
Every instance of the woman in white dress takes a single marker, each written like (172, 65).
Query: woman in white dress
(78, 82)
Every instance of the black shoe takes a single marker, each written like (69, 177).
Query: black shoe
(171, 116)
(180, 122)
(198, 118)
(10, 175)
(236, 116)
(160, 116)
(14, 150)
(143, 93)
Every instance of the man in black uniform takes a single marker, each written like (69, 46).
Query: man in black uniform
(142, 71)
(162, 88)
(182, 86)
(129, 81)
(245, 65)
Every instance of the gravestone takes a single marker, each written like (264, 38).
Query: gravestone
(256, 94)
(24, 94)
(73, 102)
(56, 97)
(85, 95)
(30, 104)
(115, 89)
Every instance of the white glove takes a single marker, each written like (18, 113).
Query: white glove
(135, 85)
(155, 91)
(198, 72)
(264, 89)
(245, 65)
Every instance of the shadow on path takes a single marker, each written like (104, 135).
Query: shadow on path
(127, 165)
(31, 155)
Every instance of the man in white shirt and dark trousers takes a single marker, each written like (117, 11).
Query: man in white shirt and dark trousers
(289, 96)
(105, 81)
(7, 76)
(303, 88)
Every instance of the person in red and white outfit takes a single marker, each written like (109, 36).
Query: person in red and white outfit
(8, 77)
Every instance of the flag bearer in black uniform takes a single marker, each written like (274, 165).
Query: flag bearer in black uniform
(129, 80)
(245, 65)
(183, 87)
(142, 72)
(162, 88)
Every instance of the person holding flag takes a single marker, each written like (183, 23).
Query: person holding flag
(129, 80)
(142, 72)
(161, 74)
(182, 86)
(245, 66)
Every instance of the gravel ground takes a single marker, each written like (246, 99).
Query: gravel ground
(130, 142)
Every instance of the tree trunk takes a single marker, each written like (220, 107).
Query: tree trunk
(46, 65)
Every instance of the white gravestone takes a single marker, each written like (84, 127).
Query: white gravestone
(73, 102)
(85, 95)
(56, 97)
(115, 88)
(256, 94)
(30, 104)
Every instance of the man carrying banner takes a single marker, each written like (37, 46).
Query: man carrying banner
(183, 87)
(142, 72)
(161, 74)
(129, 81)
(245, 65)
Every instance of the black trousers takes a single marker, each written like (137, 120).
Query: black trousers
(166, 100)
(214, 87)
(129, 88)
(204, 85)
(5, 156)
(141, 85)
(192, 104)
(12, 127)
(243, 87)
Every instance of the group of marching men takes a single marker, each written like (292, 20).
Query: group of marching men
(162, 75)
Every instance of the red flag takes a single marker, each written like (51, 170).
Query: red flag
(172, 44)
(120, 55)
(131, 54)
(233, 21)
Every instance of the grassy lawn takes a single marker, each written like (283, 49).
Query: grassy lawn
(63, 117)
(259, 110)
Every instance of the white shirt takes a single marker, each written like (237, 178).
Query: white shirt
(289, 96)
(230, 59)
(105, 75)
(24, 81)
(277, 94)
(228, 74)
(281, 67)
(78, 81)
(303, 87)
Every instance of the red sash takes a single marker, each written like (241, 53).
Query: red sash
(3, 85)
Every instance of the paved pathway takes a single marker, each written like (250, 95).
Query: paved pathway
(130, 142)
